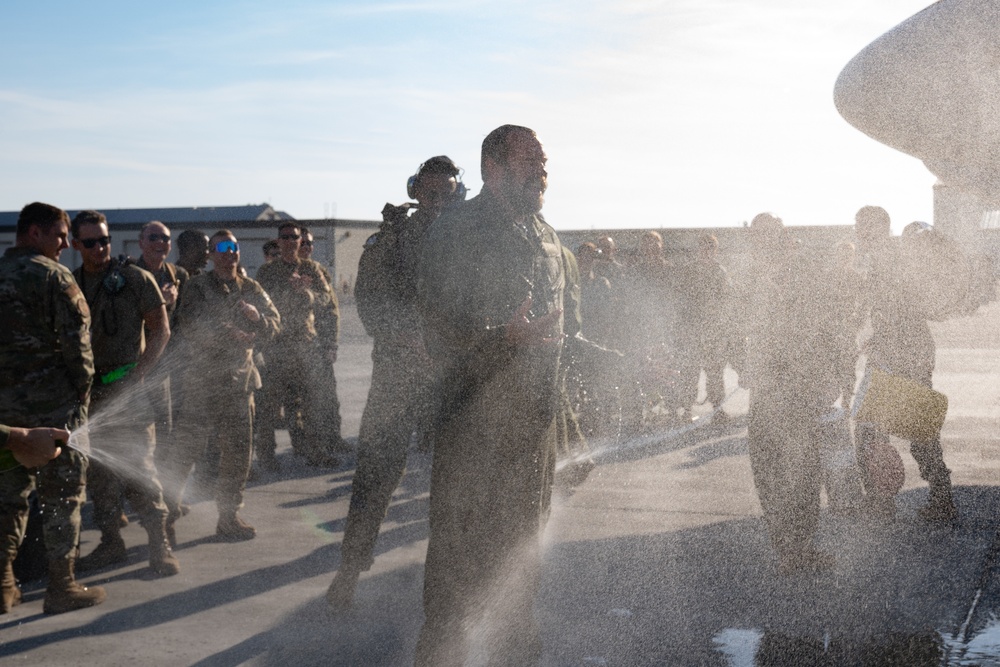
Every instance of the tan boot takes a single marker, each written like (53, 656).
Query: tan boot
(64, 594)
(10, 594)
(233, 528)
(162, 560)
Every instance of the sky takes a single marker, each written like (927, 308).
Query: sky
(672, 113)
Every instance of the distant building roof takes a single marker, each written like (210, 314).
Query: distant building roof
(192, 214)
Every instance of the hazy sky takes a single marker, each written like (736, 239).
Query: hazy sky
(671, 113)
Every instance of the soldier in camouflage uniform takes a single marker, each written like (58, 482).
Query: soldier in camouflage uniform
(48, 369)
(491, 296)
(129, 331)
(400, 399)
(224, 316)
(300, 360)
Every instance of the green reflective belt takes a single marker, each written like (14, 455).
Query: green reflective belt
(117, 374)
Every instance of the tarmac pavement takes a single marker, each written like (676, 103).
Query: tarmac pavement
(659, 558)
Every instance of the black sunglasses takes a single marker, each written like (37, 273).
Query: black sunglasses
(290, 237)
(158, 237)
(90, 243)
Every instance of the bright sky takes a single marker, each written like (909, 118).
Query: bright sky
(653, 113)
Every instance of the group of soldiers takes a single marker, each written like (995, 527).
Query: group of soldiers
(476, 311)
(166, 360)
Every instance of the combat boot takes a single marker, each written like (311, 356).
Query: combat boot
(110, 551)
(10, 594)
(940, 506)
(64, 593)
(162, 560)
(233, 528)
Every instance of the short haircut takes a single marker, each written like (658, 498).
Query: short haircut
(86, 218)
(872, 217)
(43, 216)
(270, 246)
(142, 230)
(289, 224)
(496, 144)
(304, 231)
(190, 239)
(218, 235)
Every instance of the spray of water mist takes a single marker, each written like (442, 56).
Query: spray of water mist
(104, 440)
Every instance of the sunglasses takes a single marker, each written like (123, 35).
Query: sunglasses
(290, 237)
(307, 244)
(227, 246)
(90, 243)
(158, 237)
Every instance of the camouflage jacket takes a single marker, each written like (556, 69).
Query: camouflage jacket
(45, 351)
(307, 315)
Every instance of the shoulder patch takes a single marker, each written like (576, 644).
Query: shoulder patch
(372, 240)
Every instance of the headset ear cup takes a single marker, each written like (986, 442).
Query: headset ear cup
(411, 186)
(460, 191)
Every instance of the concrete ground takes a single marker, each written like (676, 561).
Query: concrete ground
(658, 558)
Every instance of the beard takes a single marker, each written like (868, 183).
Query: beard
(524, 198)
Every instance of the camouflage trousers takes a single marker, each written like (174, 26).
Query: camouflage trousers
(220, 417)
(60, 484)
(400, 402)
(301, 378)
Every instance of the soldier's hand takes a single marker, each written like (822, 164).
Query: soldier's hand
(169, 292)
(249, 311)
(34, 447)
(300, 282)
(544, 330)
(331, 354)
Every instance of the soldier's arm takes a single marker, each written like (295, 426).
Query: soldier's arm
(73, 328)
(158, 333)
(269, 324)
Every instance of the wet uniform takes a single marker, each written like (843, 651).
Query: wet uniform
(220, 382)
(401, 397)
(495, 435)
(118, 299)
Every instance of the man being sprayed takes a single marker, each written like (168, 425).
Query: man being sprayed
(301, 358)
(124, 300)
(224, 316)
(901, 344)
(400, 399)
(48, 366)
(800, 356)
(490, 292)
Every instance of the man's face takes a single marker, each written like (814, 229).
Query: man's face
(289, 240)
(523, 179)
(155, 243)
(306, 246)
(224, 252)
(97, 256)
(50, 242)
(434, 190)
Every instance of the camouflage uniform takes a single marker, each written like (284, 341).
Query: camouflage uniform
(48, 366)
(401, 395)
(298, 367)
(495, 435)
(221, 380)
(117, 334)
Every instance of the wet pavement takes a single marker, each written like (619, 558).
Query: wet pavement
(658, 558)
